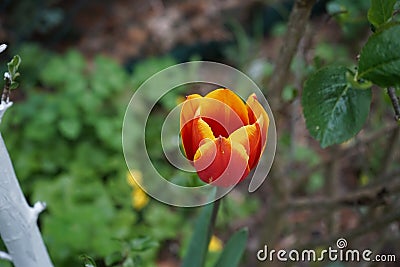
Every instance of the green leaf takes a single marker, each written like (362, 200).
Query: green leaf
(13, 65)
(380, 58)
(142, 243)
(360, 84)
(289, 93)
(315, 182)
(380, 11)
(334, 111)
(70, 128)
(13, 85)
(198, 245)
(233, 251)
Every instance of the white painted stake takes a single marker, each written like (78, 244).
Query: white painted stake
(18, 228)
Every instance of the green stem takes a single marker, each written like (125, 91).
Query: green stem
(213, 220)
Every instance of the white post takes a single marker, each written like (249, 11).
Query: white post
(18, 228)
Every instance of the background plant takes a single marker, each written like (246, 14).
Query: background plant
(336, 99)
(65, 138)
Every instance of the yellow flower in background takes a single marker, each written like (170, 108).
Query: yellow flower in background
(133, 176)
(215, 244)
(139, 197)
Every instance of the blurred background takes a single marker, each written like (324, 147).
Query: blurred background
(83, 60)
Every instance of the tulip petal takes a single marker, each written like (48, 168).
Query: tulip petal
(257, 113)
(249, 137)
(221, 162)
(224, 111)
(193, 133)
(232, 100)
(189, 108)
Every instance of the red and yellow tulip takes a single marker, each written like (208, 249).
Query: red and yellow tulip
(222, 136)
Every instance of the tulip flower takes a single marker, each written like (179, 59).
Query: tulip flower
(222, 136)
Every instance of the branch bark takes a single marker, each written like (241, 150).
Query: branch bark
(18, 228)
(369, 226)
(295, 30)
(375, 194)
(344, 153)
(6, 90)
(395, 102)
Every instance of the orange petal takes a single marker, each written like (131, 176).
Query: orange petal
(232, 100)
(224, 111)
(193, 133)
(189, 108)
(221, 162)
(249, 137)
(258, 113)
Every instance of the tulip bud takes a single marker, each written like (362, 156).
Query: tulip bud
(222, 136)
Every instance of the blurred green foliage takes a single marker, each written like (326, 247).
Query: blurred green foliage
(350, 15)
(65, 141)
(64, 137)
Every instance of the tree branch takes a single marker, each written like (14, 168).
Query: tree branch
(390, 151)
(332, 186)
(295, 30)
(344, 153)
(6, 90)
(395, 102)
(365, 196)
(367, 227)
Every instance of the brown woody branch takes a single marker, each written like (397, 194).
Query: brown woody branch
(343, 154)
(295, 30)
(6, 90)
(376, 194)
(367, 227)
(395, 102)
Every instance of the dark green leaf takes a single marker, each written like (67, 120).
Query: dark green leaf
(380, 11)
(380, 58)
(334, 111)
(233, 251)
(198, 245)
